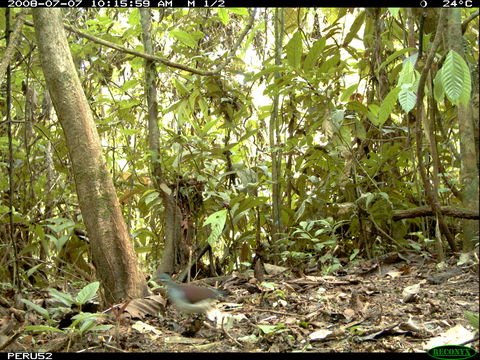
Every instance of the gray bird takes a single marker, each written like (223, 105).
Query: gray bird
(190, 299)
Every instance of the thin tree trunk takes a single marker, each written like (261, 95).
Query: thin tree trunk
(430, 191)
(274, 130)
(468, 170)
(173, 215)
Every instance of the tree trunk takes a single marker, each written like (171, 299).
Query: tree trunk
(431, 192)
(113, 254)
(468, 170)
(274, 132)
(173, 215)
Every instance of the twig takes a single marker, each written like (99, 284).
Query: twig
(162, 59)
(229, 336)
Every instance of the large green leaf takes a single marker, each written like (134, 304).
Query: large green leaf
(392, 57)
(87, 293)
(387, 106)
(329, 64)
(58, 241)
(407, 75)
(407, 97)
(372, 114)
(455, 78)
(348, 92)
(37, 308)
(65, 298)
(467, 88)
(217, 222)
(314, 53)
(357, 24)
(249, 203)
(294, 50)
(356, 106)
(42, 328)
(358, 130)
(223, 15)
(60, 224)
(184, 37)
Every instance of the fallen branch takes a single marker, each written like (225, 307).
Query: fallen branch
(427, 211)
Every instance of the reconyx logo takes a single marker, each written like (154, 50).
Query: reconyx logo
(447, 352)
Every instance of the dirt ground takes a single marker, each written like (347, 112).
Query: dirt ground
(397, 303)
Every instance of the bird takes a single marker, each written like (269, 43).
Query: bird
(190, 299)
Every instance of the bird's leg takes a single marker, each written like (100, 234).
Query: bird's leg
(190, 319)
(194, 325)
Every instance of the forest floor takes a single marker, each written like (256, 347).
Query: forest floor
(397, 303)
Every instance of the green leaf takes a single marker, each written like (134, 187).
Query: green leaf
(87, 293)
(60, 224)
(59, 242)
(348, 92)
(314, 54)
(412, 59)
(65, 298)
(134, 18)
(184, 37)
(356, 106)
(341, 13)
(83, 316)
(101, 327)
(37, 308)
(354, 254)
(181, 88)
(392, 57)
(407, 75)
(359, 130)
(217, 222)
(407, 98)
(387, 106)
(34, 269)
(151, 196)
(42, 328)
(472, 318)
(127, 85)
(369, 197)
(206, 128)
(300, 210)
(372, 114)
(268, 285)
(438, 92)
(357, 24)
(129, 132)
(87, 320)
(394, 12)
(329, 64)
(267, 70)
(455, 77)
(294, 50)
(269, 329)
(467, 88)
(223, 15)
(87, 325)
(239, 11)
